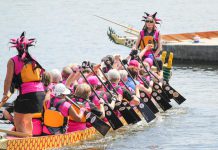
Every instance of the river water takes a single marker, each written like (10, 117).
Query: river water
(67, 32)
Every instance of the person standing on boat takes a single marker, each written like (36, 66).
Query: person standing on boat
(24, 74)
(149, 39)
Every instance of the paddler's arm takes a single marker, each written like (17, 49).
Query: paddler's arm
(75, 116)
(147, 47)
(143, 88)
(159, 49)
(47, 95)
(8, 79)
(130, 97)
(135, 47)
(72, 78)
(102, 108)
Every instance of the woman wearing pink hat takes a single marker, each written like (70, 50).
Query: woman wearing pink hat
(96, 84)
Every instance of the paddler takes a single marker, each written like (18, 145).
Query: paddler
(114, 78)
(82, 94)
(56, 111)
(24, 73)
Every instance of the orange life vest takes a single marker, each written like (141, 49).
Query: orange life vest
(148, 39)
(52, 117)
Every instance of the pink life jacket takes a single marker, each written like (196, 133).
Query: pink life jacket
(24, 87)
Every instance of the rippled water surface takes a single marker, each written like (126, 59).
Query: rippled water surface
(67, 32)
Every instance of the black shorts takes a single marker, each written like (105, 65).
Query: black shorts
(29, 103)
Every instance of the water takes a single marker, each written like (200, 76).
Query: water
(67, 32)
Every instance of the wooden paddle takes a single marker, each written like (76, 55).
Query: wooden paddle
(125, 103)
(147, 112)
(15, 133)
(127, 115)
(94, 120)
(162, 102)
(109, 114)
(143, 96)
(170, 91)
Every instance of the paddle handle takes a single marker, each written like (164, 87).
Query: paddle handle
(16, 133)
(149, 72)
(90, 84)
(75, 104)
(109, 82)
(100, 81)
(127, 72)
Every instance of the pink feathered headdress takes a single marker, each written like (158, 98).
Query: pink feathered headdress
(22, 44)
(157, 21)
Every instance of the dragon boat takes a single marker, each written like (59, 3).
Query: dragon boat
(129, 41)
(51, 141)
(46, 142)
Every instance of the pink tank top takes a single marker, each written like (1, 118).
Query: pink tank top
(27, 87)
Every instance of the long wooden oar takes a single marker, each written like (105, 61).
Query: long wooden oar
(94, 120)
(109, 114)
(134, 30)
(15, 133)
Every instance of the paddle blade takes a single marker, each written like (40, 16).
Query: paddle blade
(98, 124)
(159, 89)
(146, 112)
(132, 111)
(145, 98)
(112, 118)
(173, 93)
(161, 101)
(127, 115)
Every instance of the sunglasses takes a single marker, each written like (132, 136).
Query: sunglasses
(149, 21)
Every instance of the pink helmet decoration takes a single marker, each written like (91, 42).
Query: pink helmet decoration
(157, 21)
(22, 44)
